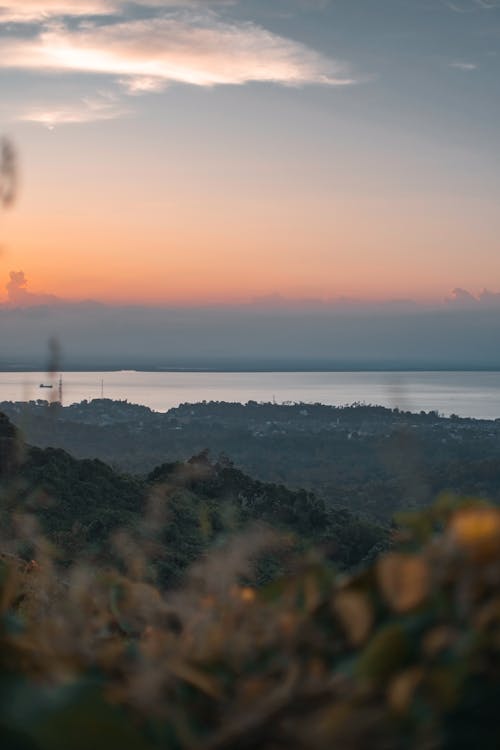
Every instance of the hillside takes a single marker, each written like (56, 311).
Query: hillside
(401, 655)
(184, 507)
(372, 460)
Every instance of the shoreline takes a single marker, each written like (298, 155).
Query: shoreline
(243, 370)
(337, 408)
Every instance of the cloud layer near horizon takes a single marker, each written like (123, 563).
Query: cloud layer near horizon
(19, 296)
(462, 332)
(100, 337)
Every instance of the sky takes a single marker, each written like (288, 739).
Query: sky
(185, 153)
(255, 182)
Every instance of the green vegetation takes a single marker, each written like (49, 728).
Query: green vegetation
(403, 654)
(371, 460)
(152, 613)
(187, 506)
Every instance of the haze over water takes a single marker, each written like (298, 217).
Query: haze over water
(467, 394)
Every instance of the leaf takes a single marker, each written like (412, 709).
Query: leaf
(488, 616)
(312, 594)
(355, 614)
(198, 679)
(402, 689)
(403, 580)
(437, 640)
(384, 654)
(10, 585)
(477, 532)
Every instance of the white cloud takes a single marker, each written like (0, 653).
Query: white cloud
(34, 10)
(20, 11)
(469, 6)
(466, 66)
(86, 110)
(189, 48)
(180, 41)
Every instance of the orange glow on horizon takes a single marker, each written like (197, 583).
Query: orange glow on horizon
(216, 231)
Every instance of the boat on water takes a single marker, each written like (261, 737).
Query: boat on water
(42, 385)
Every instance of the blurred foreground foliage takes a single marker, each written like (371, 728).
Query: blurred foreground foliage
(8, 172)
(404, 652)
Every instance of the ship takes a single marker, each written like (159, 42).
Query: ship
(42, 385)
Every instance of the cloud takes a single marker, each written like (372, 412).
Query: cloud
(192, 48)
(19, 296)
(462, 298)
(24, 11)
(492, 299)
(469, 6)
(92, 109)
(466, 66)
(34, 10)
(143, 46)
(126, 337)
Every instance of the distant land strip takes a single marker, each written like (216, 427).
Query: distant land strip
(253, 367)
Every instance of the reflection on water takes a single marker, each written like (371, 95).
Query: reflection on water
(468, 394)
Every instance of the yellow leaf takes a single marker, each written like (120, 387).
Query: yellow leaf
(477, 532)
(247, 594)
(403, 580)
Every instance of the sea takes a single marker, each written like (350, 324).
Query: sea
(467, 394)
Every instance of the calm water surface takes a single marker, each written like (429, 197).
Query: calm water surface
(468, 394)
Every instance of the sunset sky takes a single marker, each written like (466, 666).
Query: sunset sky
(192, 152)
